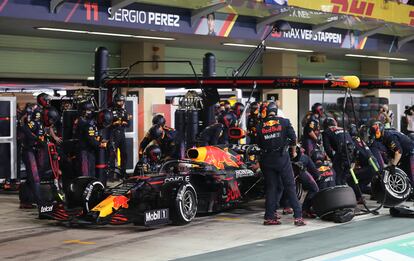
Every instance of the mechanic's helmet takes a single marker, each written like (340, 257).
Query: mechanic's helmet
(329, 122)
(43, 99)
(271, 108)
(87, 108)
(263, 109)
(318, 156)
(119, 100)
(158, 120)
(377, 130)
(238, 109)
(353, 130)
(254, 108)
(50, 116)
(30, 107)
(229, 119)
(153, 153)
(227, 105)
(317, 108)
(156, 132)
(104, 118)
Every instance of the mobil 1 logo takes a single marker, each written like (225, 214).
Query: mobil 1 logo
(157, 217)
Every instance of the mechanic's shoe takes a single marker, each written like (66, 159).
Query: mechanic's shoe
(309, 214)
(277, 215)
(287, 211)
(269, 222)
(299, 222)
(27, 206)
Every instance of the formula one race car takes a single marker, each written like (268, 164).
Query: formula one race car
(213, 178)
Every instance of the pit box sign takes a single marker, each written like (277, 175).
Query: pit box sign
(157, 217)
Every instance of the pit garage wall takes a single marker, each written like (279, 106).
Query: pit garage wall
(50, 58)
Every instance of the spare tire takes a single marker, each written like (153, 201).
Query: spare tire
(330, 199)
(397, 187)
(85, 192)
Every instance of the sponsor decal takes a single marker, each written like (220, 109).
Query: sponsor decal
(241, 173)
(144, 17)
(233, 191)
(178, 178)
(272, 129)
(272, 136)
(44, 209)
(157, 217)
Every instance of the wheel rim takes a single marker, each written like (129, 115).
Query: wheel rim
(397, 183)
(188, 204)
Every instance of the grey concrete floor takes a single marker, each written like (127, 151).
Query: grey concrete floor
(229, 235)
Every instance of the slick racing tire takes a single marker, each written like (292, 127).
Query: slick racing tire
(331, 199)
(397, 188)
(85, 192)
(184, 205)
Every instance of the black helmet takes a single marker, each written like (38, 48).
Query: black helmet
(229, 119)
(318, 155)
(271, 107)
(119, 98)
(317, 108)
(156, 132)
(158, 120)
(153, 153)
(43, 99)
(353, 130)
(238, 109)
(50, 116)
(87, 108)
(254, 108)
(329, 122)
(104, 118)
(376, 130)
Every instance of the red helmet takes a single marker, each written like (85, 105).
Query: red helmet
(43, 99)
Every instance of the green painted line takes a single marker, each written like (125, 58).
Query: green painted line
(404, 247)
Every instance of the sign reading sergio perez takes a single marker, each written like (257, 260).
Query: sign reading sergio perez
(144, 17)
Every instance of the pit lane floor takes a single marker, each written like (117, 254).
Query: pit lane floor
(237, 234)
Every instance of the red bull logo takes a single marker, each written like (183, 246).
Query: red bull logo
(120, 201)
(220, 158)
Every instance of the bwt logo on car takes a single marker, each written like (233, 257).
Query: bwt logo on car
(44, 209)
(156, 215)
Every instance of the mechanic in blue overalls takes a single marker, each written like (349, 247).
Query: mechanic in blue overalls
(252, 122)
(33, 155)
(398, 145)
(274, 134)
(339, 147)
(117, 138)
(311, 131)
(307, 173)
(364, 159)
(89, 140)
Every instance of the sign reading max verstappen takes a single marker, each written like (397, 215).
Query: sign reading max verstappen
(143, 17)
(308, 35)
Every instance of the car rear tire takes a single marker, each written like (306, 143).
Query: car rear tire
(330, 199)
(184, 206)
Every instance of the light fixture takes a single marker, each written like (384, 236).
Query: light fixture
(376, 57)
(104, 34)
(269, 47)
